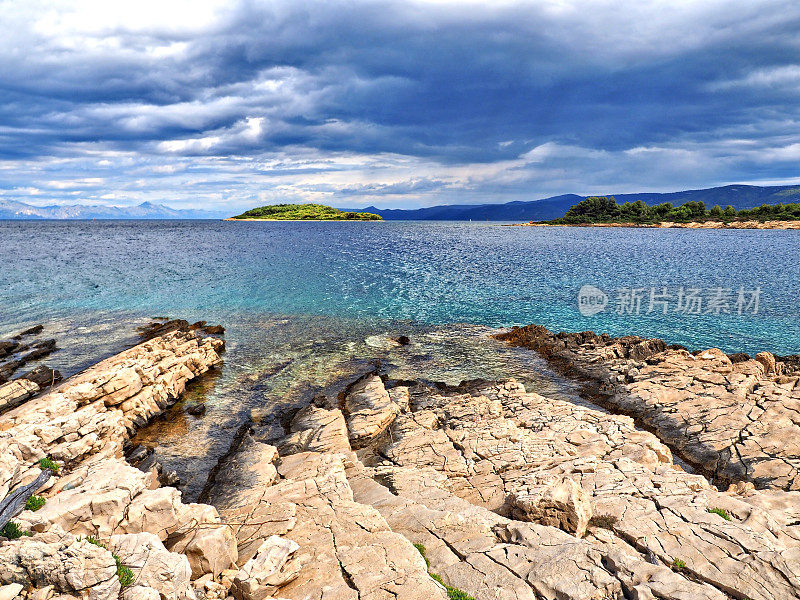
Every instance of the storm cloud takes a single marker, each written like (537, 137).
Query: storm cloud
(225, 104)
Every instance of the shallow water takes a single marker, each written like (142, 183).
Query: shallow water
(300, 358)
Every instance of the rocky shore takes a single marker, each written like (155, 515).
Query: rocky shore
(409, 490)
(16, 352)
(733, 417)
(103, 522)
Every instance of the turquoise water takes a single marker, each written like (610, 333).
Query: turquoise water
(421, 272)
(309, 305)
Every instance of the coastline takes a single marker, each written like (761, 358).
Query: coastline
(676, 225)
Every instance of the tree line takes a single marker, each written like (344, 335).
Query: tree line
(605, 209)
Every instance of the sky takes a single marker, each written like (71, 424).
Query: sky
(233, 104)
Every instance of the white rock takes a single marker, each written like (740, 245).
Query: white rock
(269, 568)
(10, 591)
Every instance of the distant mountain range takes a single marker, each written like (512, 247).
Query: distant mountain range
(10, 209)
(738, 196)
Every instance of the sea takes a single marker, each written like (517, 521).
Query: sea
(307, 303)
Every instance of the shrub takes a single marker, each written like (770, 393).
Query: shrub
(605, 209)
(49, 464)
(721, 512)
(604, 521)
(678, 564)
(12, 531)
(34, 503)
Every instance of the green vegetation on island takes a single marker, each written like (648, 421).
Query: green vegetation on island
(305, 212)
(602, 209)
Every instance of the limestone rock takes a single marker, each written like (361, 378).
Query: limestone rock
(243, 475)
(60, 560)
(317, 430)
(91, 414)
(269, 569)
(204, 539)
(563, 505)
(370, 409)
(10, 591)
(153, 566)
(16, 392)
(140, 592)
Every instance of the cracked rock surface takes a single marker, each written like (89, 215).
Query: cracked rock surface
(737, 420)
(514, 496)
(98, 504)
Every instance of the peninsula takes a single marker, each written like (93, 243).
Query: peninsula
(604, 211)
(302, 212)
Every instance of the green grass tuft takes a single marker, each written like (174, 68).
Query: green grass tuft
(452, 593)
(95, 542)
(455, 594)
(678, 564)
(34, 503)
(721, 512)
(12, 531)
(421, 549)
(49, 464)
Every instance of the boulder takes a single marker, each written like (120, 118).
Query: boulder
(207, 543)
(57, 559)
(270, 568)
(563, 505)
(370, 409)
(154, 566)
(317, 430)
(10, 591)
(767, 360)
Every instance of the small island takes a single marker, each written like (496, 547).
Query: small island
(302, 212)
(604, 211)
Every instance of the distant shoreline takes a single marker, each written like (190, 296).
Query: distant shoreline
(674, 225)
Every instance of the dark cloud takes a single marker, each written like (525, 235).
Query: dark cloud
(414, 102)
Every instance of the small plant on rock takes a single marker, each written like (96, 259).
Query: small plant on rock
(421, 549)
(721, 512)
(12, 531)
(95, 542)
(124, 573)
(604, 521)
(452, 593)
(678, 564)
(34, 503)
(49, 464)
